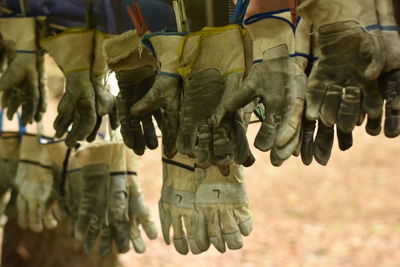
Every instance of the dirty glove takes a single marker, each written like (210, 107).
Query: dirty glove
(210, 74)
(104, 202)
(73, 186)
(21, 82)
(350, 59)
(166, 90)
(135, 73)
(105, 100)
(272, 79)
(223, 202)
(35, 181)
(72, 50)
(389, 81)
(139, 213)
(177, 207)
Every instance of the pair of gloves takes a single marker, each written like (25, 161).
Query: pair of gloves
(23, 79)
(203, 206)
(111, 205)
(87, 98)
(348, 81)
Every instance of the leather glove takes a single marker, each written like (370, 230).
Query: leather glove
(177, 207)
(210, 74)
(9, 152)
(105, 100)
(223, 202)
(23, 80)
(139, 213)
(389, 81)
(350, 59)
(35, 181)
(103, 208)
(135, 73)
(166, 90)
(73, 186)
(272, 79)
(77, 106)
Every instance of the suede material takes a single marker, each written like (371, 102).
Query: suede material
(12, 27)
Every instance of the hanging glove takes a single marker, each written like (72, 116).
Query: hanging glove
(9, 151)
(350, 59)
(210, 74)
(223, 202)
(166, 90)
(72, 50)
(135, 73)
(139, 213)
(389, 81)
(104, 202)
(22, 81)
(34, 180)
(73, 186)
(177, 205)
(105, 100)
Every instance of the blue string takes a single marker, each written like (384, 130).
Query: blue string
(1, 121)
(269, 15)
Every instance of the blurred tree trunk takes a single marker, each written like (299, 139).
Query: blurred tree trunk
(51, 248)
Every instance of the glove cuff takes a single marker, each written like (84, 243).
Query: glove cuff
(72, 50)
(123, 52)
(99, 65)
(95, 153)
(202, 50)
(270, 30)
(20, 30)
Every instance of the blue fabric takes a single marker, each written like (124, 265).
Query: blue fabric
(107, 15)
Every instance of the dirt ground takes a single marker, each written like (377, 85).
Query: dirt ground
(345, 214)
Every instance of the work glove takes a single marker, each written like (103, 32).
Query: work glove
(35, 183)
(72, 50)
(350, 60)
(209, 75)
(134, 69)
(166, 90)
(222, 200)
(104, 202)
(139, 213)
(9, 152)
(389, 81)
(177, 207)
(73, 185)
(105, 100)
(272, 80)
(23, 81)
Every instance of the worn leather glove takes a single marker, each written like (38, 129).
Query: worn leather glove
(135, 73)
(105, 100)
(389, 81)
(166, 90)
(209, 74)
(139, 213)
(177, 207)
(73, 185)
(35, 183)
(223, 202)
(103, 208)
(77, 106)
(350, 59)
(272, 80)
(23, 79)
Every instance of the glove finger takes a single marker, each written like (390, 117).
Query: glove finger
(93, 135)
(150, 101)
(266, 135)
(345, 140)
(35, 215)
(169, 128)
(148, 226)
(138, 244)
(12, 77)
(166, 222)
(373, 126)
(231, 231)
(81, 226)
(138, 137)
(280, 154)
(244, 219)
(392, 123)
(106, 240)
(203, 148)
(22, 210)
(62, 122)
(49, 220)
(323, 143)
(83, 124)
(214, 229)
(121, 230)
(349, 110)
(191, 234)
(34, 97)
(113, 117)
(91, 236)
(149, 132)
(290, 129)
(12, 107)
(372, 102)
(330, 105)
